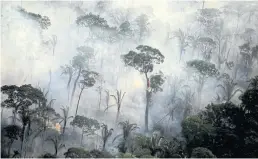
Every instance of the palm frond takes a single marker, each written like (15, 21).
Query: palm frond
(234, 93)
(117, 137)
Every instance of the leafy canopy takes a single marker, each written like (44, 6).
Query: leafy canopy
(144, 60)
(203, 67)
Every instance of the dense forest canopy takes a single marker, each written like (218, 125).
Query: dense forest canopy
(129, 79)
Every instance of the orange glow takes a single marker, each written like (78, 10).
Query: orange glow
(58, 127)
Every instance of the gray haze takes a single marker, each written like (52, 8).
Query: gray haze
(27, 58)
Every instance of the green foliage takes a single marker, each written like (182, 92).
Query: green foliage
(142, 141)
(100, 154)
(43, 21)
(89, 78)
(127, 130)
(142, 152)
(197, 131)
(47, 155)
(91, 20)
(126, 155)
(250, 96)
(229, 89)
(13, 132)
(105, 134)
(201, 152)
(156, 81)
(81, 153)
(172, 147)
(226, 129)
(23, 96)
(203, 68)
(77, 153)
(89, 125)
(144, 60)
(125, 29)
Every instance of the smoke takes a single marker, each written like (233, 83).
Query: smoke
(27, 55)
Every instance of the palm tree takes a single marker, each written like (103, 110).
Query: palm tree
(228, 88)
(127, 130)
(68, 70)
(64, 118)
(105, 134)
(118, 98)
(183, 43)
(156, 143)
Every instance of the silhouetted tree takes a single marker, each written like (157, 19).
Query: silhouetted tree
(144, 61)
(87, 125)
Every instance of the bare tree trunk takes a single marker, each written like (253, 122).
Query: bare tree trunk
(64, 126)
(147, 104)
(81, 137)
(75, 84)
(79, 101)
(118, 113)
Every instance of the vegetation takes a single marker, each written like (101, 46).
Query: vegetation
(201, 102)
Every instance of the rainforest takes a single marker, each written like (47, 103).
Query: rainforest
(129, 79)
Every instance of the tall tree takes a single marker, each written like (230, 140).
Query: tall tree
(143, 25)
(144, 61)
(202, 71)
(183, 41)
(89, 80)
(57, 142)
(118, 99)
(87, 125)
(79, 63)
(64, 117)
(12, 132)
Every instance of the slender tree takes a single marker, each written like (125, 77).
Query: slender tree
(64, 118)
(105, 134)
(201, 72)
(118, 99)
(89, 80)
(57, 142)
(87, 125)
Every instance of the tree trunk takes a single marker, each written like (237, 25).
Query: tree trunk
(14, 117)
(9, 148)
(99, 99)
(117, 114)
(147, 104)
(2, 111)
(81, 137)
(104, 145)
(69, 81)
(22, 136)
(79, 101)
(56, 147)
(64, 126)
(199, 90)
(75, 84)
